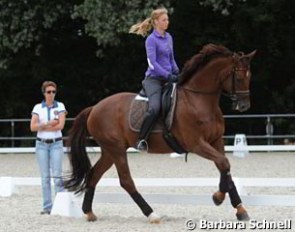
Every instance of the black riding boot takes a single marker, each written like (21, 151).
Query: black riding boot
(145, 130)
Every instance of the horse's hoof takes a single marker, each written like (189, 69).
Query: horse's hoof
(242, 214)
(91, 217)
(218, 198)
(154, 218)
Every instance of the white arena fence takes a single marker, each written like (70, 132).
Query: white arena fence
(265, 120)
(239, 149)
(250, 148)
(69, 204)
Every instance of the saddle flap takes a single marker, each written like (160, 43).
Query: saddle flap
(139, 106)
(167, 97)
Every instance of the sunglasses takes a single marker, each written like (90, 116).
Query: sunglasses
(51, 91)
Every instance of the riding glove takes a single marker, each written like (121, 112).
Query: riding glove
(173, 78)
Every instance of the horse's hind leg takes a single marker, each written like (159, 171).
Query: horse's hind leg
(127, 183)
(101, 166)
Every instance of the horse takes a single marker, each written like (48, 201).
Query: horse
(198, 125)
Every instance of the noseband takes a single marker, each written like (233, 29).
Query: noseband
(234, 94)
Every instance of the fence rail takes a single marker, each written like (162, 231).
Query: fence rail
(268, 131)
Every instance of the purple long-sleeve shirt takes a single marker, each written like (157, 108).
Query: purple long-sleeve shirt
(160, 56)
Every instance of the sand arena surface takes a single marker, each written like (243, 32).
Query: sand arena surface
(20, 212)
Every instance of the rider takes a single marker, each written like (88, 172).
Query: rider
(162, 67)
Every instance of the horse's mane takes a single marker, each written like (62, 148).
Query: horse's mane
(207, 53)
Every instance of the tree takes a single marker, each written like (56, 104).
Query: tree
(108, 19)
(56, 40)
(23, 25)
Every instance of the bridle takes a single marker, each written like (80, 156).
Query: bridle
(233, 94)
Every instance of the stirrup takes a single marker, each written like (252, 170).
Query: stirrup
(142, 145)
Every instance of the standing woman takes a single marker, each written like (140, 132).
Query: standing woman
(162, 67)
(48, 119)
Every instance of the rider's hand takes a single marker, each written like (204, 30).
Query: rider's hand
(173, 78)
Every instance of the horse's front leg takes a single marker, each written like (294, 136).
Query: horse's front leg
(215, 152)
(219, 196)
(227, 185)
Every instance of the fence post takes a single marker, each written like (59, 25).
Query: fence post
(269, 131)
(12, 133)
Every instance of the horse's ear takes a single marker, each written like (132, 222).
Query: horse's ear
(251, 55)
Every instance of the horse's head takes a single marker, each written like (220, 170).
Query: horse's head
(237, 81)
(232, 72)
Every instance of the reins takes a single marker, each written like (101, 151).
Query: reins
(198, 91)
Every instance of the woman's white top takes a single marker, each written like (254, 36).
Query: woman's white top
(46, 114)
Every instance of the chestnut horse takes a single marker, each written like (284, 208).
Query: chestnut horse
(198, 126)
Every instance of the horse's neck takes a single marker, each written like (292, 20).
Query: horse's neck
(207, 80)
(201, 106)
(205, 87)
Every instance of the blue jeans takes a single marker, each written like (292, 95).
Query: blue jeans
(50, 158)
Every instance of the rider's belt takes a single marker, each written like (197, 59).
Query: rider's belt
(49, 140)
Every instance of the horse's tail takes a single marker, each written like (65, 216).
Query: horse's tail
(78, 157)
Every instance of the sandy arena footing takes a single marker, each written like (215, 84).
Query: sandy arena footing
(20, 212)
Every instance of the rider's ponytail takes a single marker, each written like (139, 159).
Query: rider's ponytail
(142, 28)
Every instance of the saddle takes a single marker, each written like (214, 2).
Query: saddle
(139, 106)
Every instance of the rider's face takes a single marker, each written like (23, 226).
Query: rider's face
(162, 22)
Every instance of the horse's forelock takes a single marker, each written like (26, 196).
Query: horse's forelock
(242, 58)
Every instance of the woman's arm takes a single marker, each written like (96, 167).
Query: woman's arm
(150, 47)
(59, 124)
(35, 125)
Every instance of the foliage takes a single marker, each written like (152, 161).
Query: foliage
(60, 40)
(107, 19)
(220, 5)
(23, 24)
(267, 26)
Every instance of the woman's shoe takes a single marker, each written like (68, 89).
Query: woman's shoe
(45, 212)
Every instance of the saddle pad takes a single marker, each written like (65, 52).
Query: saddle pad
(138, 108)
